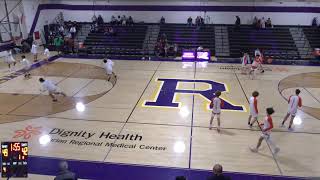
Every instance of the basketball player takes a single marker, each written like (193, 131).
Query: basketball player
(47, 85)
(10, 60)
(294, 102)
(46, 53)
(266, 133)
(34, 51)
(244, 61)
(255, 65)
(216, 105)
(26, 66)
(108, 64)
(253, 108)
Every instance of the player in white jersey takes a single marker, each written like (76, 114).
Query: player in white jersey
(108, 66)
(266, 133)
(34, 51)
(216, 105)
(253, 108)
(26, 67)
(46, 53)
(294, 102)
(244, 61)
(53, 90)
(10, 60)
(254, 66)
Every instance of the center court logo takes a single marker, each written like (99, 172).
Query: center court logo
(167, 91)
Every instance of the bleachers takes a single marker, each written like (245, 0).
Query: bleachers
(275, 42)
(313, 36)
(189, 37)
(128, 41)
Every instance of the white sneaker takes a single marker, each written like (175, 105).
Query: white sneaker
(290, 129)
(276, 150)
(255, 150)
(282, 126)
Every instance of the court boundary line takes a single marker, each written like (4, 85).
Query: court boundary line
(312, 95)
(133, 110)
(273, 155)
(192, 113)
(164, 167)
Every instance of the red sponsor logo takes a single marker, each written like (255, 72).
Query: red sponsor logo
(27, 132)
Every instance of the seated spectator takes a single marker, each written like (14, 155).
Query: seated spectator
(238, 22)
(64, 173)
(94, 27)
(217, 173)
(197, 21)
(162, 20)
(130, 21)
(189, 21)
(175, 49)
(61, 30)
(258, 25)
(181, 178)
(201, 21)
(257, 52)
(113, 20)
(123, 20)
(100, 20)
(200, 48)
(109, 31)
(263, 23)
(315, 22)
(73, 31)
(94, 19)
(58, 43)
(119, 22)
(269, 23)
(255, 22)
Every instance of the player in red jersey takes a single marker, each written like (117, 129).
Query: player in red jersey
(253, 108)
(294, 102)
(266, 128)
(216, 105)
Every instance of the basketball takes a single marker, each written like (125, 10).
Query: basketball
(269, 61)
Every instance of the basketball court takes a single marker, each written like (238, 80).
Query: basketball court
(156, 114)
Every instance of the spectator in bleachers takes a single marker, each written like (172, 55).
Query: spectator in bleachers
(93, 28)
(189, 21)
(257, 52)
(162, 20)
(200, 48)
(175, 49)
(258, 25)
(217, 173)
(119, 20)
(269, 23)
(255, 22)
(64, 173)
(263, 23)
(198, 21)
(130, 21)
(123, 20)
(238, 22)
(94, 19)
(100, 20)
(58, 42)
(113, 20)
(201, 21)
(61, 30)
(73, 31)
(315, 22)
(181, 178)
